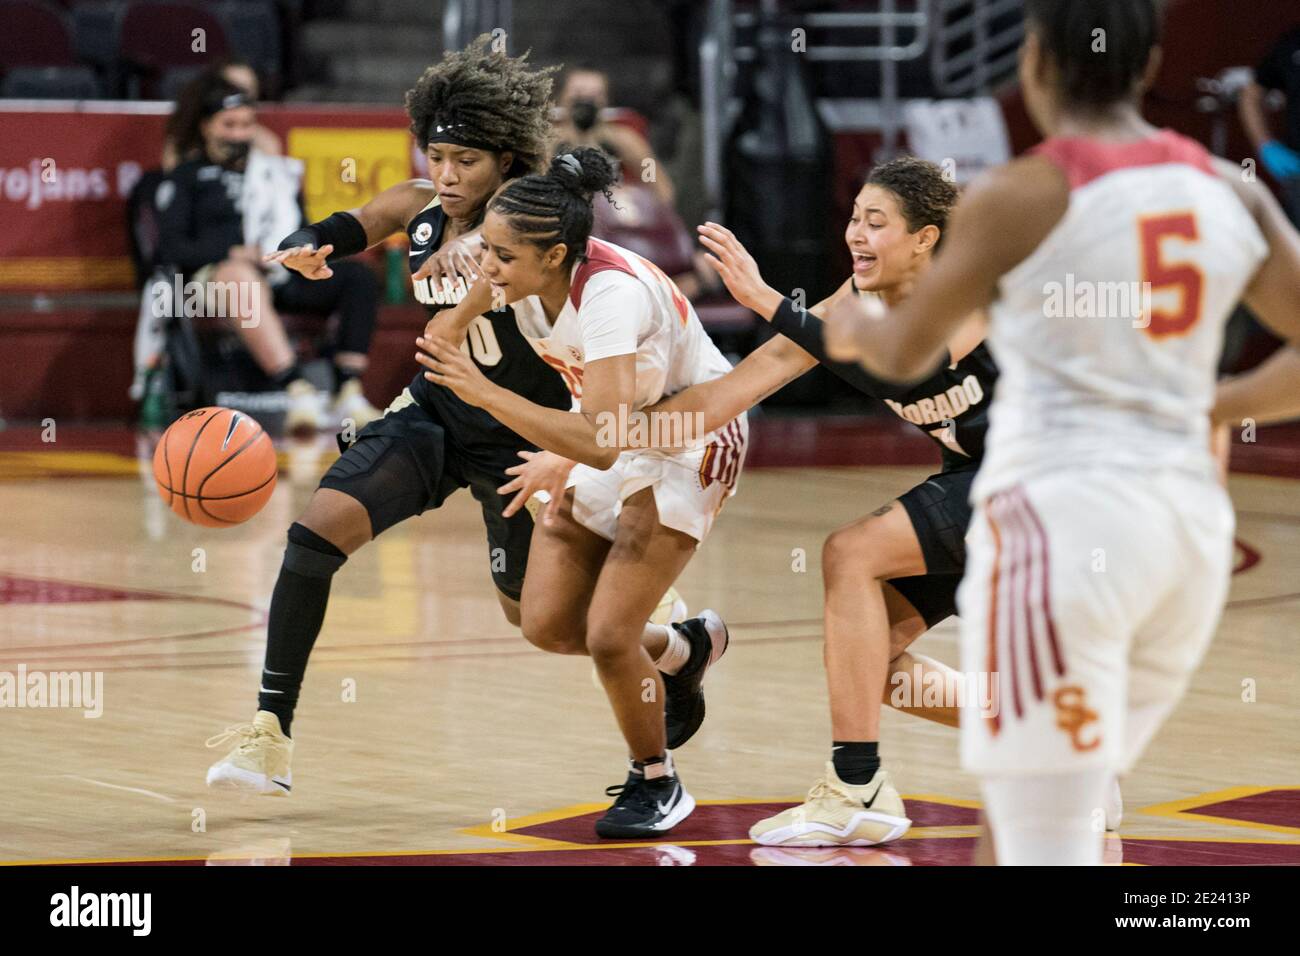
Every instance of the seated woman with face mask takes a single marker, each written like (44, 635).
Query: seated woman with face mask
(219, 212)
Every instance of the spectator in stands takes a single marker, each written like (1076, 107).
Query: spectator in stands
(1279, 70)
(237, 73)
(584, 94)
(219, 212)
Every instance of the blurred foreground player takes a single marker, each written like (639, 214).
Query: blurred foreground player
(1101, 545)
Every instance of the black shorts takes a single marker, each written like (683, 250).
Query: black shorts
(405, 464)
(940, 511)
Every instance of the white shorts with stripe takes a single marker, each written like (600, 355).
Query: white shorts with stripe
(690, 487)
(1091, 596)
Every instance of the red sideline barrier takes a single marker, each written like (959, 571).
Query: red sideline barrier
(76, 363)
(66, 170)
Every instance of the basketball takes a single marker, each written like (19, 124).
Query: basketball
(215, 467)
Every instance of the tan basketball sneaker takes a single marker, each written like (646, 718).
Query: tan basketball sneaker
(671, 610)
(351, 405)
(259, 762)
(838, 814)
(305, 413)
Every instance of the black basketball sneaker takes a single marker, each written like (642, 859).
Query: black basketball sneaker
(645, 808)
(683, 691)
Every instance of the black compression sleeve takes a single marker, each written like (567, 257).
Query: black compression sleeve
(805, 331)
(342, 230)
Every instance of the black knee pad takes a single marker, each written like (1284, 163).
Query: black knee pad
(311, 555)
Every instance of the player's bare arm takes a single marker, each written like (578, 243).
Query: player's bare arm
(451, 325)
(380, 218)
(768, 368)
(1267, 393)
(1001, 219)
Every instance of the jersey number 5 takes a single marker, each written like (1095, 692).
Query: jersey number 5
(1158, 274)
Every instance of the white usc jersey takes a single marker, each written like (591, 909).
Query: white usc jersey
(1108, 335)
(621, 303)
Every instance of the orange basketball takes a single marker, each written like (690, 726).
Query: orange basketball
(215, 467)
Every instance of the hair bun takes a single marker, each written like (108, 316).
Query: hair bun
(584, 171)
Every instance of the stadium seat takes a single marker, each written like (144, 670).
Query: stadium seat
(159, 35)
(52, 83)
(35, 34)
(173, 81)
(96, 37)
(254, 33)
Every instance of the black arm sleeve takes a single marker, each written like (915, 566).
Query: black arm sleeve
(342, 230)
(805, 331)
(182, 242)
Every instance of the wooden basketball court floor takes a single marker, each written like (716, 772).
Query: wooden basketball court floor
(429, 732)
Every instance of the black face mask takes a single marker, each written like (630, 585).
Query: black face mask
(584, 113)
(233, 152)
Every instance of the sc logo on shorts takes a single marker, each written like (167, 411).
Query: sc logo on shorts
(1073, 715)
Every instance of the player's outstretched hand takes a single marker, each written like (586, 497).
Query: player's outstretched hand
(305, 260)
(540, 471)
(449, 366)
(738, 270)
(454, 260)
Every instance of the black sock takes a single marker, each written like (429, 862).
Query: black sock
(856, 761)
(281, 380)
(297, 611)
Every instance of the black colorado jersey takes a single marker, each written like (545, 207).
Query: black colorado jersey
(497, 347)
(951, 405)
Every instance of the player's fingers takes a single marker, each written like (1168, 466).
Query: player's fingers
(324, 250)
(429, 362)
(709, 242)
(517, 502)
(552, 510)
(466, 265)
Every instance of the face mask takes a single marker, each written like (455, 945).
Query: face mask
(584, 113)
(234, 151)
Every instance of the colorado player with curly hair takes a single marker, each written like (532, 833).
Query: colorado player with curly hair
(481, 118)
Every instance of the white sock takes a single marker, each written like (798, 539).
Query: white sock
(1056, 819)
(664, 768)
(676, 653)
